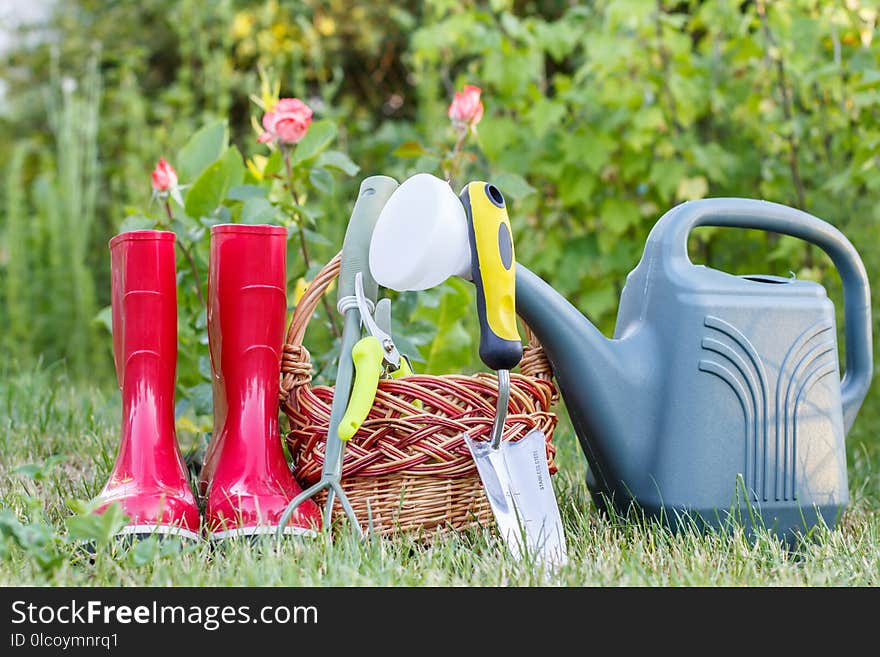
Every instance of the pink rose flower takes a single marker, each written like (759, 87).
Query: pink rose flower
(287, 123)
(164, 176)
(466, 109)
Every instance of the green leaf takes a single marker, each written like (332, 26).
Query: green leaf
(30, 470)
(234, 164)
(513, 185)
(427, 163)
(144, 552)
(321, 180)
(309, 214)
(573, 187)
(201, 396)
(691, 189)
(870, 78)
(619, 214)
(257, 211)
(337, 160)
(205, 367)
(589, 149)
(447, 307)
(209, 191)
(37, 539)
(9, 523)
(245, 192)
(273, 164)
(80, 507)
(136, 222)
(203, 148)
(97, 527)
(599, 300)
(319, 136)
(316, 238)
(545, 114)
(409, 150)
(104, 318)
(666, 175)
(39, 471)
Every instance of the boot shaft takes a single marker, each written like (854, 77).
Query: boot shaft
(144, 314)
(247, 305)
(144, 303)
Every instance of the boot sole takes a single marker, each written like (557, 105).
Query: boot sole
(127, 536)
(140, 532)
(259, 531)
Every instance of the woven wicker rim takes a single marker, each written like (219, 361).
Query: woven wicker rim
(422, 452)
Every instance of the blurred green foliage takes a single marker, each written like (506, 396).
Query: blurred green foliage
(599, 117)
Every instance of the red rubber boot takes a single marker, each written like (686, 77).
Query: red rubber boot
(245, 476)
(149, 478)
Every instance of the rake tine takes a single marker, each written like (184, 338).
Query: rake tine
(349, 511)
(294, 503)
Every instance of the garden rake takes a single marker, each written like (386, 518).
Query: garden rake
(373, 194)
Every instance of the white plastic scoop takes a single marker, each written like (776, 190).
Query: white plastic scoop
(421, 237)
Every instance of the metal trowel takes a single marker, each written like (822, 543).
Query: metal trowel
(424, 235)
(517, 482)
(516, 475)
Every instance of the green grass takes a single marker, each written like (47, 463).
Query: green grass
(43, 416)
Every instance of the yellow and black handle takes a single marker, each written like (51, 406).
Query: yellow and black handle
(493, 271)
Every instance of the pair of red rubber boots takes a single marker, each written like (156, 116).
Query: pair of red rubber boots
(245, 481)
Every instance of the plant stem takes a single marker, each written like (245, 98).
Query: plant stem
(189, 256)
(302, 239)
(455, 156)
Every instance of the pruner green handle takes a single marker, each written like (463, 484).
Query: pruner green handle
(405, 368)
(368, 356)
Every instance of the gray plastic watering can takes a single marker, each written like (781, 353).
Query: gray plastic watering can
(719, 395)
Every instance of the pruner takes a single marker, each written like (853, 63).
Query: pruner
(375, 357)
(390, 354)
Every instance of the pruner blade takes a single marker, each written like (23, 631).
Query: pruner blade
(391, 356)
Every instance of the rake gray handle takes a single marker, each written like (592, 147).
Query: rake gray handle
(670, 237)
(373, 195)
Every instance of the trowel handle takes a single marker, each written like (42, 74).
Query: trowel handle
(669, 239)
(493, 273)
(373, 194)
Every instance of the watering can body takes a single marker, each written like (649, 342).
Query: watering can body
(719, 396)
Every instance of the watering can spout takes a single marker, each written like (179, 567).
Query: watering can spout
(604, 382)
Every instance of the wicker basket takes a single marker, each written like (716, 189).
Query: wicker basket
(408, 469)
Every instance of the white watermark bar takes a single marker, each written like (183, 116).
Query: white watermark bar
(210, 617)
(100, 620)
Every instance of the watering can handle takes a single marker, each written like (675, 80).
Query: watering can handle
(669, 239)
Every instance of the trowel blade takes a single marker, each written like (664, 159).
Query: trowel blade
(517, 482)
